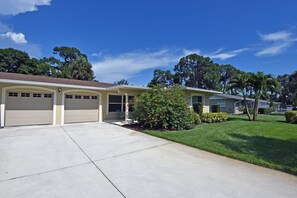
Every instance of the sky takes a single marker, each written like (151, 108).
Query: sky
(130, 39)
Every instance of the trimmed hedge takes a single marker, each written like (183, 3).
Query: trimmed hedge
(196, 118)
(265, 110)
(198, 108)
(291, 117)
(214, 117)
(215, 108)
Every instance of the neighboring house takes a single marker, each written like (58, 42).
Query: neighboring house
(231, 103)
(35, 100)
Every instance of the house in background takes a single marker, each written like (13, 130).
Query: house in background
(231, 103)
(36, 100)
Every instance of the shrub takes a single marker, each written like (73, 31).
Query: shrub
(214, 117)
(215, 108)
(163, 108)
(195, 118)
(265, 110)
(198, 108)
(291, 117)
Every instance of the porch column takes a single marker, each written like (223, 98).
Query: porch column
(3, 96)
(126, 107)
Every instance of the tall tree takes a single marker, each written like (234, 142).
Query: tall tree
(261, 84)
(198, 71)
(227, 73)
(162, 77)
(241, 82)
(74, 64)
(121, 82)
(11, 60)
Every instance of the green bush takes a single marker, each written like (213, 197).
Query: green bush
(214, 117)
(163, 109)
(196, 118)
(198, 108)
(291, 117)
(265, 110)
(215, 108)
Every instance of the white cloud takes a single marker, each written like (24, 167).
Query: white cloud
(276, 43)
(14, 7)
(274, 49)
(225, 55)
(17, 41)
(18, 38)
(276, 36)
(113, 68)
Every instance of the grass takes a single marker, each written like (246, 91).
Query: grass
(268, 142)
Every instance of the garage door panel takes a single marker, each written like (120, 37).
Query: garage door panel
(81, 104)
(28, 110)
(29, 104)
(28, 117)
(81, 108)
(72, 116)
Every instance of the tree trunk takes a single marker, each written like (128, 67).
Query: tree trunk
(247, 108)
(256, 108)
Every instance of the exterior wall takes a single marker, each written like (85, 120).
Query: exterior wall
(229, 104)
(205, 100)
(112, 115)
(59, 93)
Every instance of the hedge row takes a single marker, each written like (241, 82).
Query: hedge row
(260, 110)
(214, 117)
(291, 117)
(265, 110)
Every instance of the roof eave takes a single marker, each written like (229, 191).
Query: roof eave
(202, 90)
(50, 84)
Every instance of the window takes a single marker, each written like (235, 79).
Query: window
(94, 97)
(36, 95)
(68, 96)
(77, 97)
(26, 95)
(222, 103)
(196, 99)
(48, 95)
(86, 97)
(13, 94)
(115, 103)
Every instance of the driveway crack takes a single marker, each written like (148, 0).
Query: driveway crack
(93, 162)
(119, 155)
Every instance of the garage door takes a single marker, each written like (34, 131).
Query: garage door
(81, 108)
(28, 108)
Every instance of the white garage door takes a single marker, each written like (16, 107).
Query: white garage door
(81, 108)
(28, 108)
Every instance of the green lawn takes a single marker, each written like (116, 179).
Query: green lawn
(269, 142)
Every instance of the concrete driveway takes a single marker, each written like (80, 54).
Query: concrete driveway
(104, 160)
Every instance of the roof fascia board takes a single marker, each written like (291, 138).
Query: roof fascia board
(50, 84)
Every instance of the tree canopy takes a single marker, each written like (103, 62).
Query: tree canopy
(70, 63)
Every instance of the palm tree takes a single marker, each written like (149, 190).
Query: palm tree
(241, 83)
(261, 84)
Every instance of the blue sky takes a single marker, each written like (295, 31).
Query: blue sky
(129, 39)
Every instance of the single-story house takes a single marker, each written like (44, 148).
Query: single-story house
(231, 103)
(36, 100)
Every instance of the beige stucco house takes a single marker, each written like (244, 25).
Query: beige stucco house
(36, 100)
